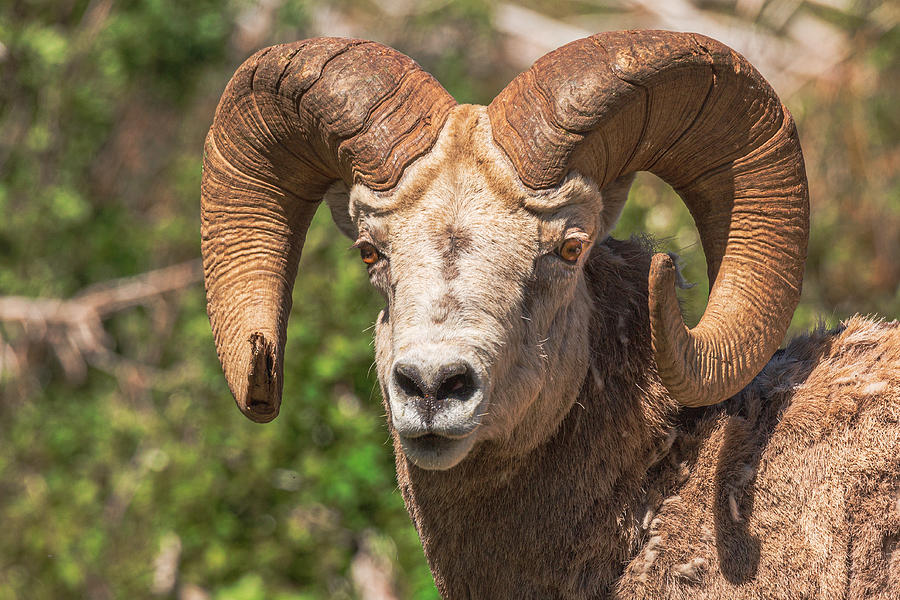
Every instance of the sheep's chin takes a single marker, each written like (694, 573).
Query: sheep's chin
(436, 453)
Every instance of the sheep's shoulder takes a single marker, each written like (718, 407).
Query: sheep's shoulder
(792, 488)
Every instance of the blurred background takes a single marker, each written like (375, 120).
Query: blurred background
(125, 469)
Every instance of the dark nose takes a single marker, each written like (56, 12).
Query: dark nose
(432, 388)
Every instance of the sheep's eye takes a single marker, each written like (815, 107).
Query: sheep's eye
(571, 249)
(368, 253)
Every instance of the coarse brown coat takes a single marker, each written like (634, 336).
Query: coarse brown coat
(792, 488)
(789, 490)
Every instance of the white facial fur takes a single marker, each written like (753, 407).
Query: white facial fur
(470, 271)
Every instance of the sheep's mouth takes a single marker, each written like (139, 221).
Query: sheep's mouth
(436, 452)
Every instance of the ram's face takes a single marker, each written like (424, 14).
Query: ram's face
(486, 300)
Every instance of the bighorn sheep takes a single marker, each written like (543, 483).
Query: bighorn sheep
(559, 432)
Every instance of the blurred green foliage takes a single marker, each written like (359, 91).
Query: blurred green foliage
(103, 109)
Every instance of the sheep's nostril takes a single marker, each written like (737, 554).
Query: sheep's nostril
(451, 381)
(407, 379)
(459, 386)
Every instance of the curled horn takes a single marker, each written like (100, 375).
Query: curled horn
(294, 119)
(699, 116)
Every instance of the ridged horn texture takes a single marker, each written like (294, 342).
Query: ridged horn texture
(294, 119)
(699, 116)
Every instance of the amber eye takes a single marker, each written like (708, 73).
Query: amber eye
(368, 253)
(571, 249)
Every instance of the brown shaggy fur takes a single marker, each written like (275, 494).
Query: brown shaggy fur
(789, 490)
(793, 486)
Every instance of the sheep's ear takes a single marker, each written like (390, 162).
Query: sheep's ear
(338, 200)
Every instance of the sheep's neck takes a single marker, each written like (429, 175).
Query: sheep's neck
(565, 518)
(551, 526)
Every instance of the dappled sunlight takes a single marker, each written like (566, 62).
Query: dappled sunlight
(125, 469)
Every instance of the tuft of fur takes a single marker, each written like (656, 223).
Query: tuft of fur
(692, 570)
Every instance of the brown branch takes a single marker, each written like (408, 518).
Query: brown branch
(101, 299)
(73, 328)
(119, 294)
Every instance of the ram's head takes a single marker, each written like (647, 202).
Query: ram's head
(474, 222)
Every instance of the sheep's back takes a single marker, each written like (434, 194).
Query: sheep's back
(792, 488)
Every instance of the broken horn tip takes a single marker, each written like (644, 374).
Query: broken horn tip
(662, 271)
(262, 401)
(260, 412)
(663, 260)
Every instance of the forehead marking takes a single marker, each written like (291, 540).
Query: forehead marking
(455, 241)
(447, 304)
